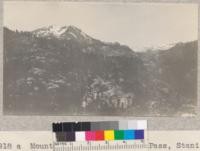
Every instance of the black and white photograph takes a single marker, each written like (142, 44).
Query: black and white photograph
(100, 59)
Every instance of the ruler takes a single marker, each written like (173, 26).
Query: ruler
(101, 146)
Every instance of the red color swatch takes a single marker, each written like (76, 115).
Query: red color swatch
(99, 135)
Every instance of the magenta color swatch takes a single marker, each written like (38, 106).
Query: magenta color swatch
(90, 136)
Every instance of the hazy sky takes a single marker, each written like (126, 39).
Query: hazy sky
(137, 25)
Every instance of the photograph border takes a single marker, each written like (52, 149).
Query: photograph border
(44, 122)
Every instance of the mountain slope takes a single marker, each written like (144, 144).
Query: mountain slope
(63, 71)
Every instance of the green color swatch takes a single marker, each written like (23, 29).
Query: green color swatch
(119, 135)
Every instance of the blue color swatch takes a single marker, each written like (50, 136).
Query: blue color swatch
(139, 134)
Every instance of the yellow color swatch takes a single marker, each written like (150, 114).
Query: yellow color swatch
(109, 135)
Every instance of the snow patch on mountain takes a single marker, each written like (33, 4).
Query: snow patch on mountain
(73, 34)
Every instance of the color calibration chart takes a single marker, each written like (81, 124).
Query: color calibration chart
(101, 135)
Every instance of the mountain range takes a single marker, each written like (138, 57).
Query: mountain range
(64, 71)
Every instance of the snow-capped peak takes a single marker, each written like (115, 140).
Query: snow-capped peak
(57, 30)
(68, 32)
(50, 31)
(160, 47)
(167, 46)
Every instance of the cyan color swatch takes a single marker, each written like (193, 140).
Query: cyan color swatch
(129, 134)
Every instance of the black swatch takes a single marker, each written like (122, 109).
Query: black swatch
(70, 136)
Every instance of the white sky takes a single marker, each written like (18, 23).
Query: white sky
(137, 25)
